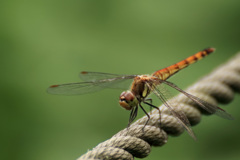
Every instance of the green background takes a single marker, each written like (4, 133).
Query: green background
(49, 42)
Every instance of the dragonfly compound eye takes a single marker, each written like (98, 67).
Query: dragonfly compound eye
(127, 100)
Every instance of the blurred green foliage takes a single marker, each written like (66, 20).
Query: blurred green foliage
(50, 42)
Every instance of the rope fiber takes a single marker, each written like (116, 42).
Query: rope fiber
(217, 87)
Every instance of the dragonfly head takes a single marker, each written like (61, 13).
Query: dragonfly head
(127, 100)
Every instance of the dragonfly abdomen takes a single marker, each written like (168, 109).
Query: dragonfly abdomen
(165, 73)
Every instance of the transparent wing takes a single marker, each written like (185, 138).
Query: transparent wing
(120, 81)
(88, 87)
(179, 115)
(205, 105)
(74, 88)
(95, 76)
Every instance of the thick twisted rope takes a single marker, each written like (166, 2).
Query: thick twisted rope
(217, 87)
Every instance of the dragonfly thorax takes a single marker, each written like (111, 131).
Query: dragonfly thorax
(128, 100)
(142, 86)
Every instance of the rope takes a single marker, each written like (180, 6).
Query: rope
(217, 87)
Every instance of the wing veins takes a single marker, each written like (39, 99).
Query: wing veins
(179, 115)
(205, 105)
(87, 87)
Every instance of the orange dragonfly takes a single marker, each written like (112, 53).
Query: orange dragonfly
(141, 87)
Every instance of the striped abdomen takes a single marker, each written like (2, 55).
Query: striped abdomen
(165, 73)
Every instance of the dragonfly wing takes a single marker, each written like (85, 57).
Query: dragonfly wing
(205, 105)
(74, 88)
(91, 86)
(95, 76)
(113, 80)
(179, 115)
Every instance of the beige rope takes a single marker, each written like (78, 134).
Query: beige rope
(217, 87)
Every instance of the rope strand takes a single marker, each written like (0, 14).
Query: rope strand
(217, 87)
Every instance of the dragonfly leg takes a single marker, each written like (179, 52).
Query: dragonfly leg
(150, 101)
(133, 115)
(152, 106)
(147, 116)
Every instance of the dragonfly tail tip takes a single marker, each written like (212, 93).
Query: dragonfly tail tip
(210, 50)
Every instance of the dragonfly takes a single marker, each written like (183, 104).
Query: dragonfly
(141, 87)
